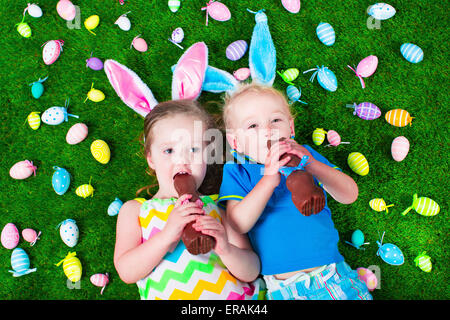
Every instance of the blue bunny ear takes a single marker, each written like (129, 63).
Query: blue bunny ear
(262, 54)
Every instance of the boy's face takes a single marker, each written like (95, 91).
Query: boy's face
(255, 118)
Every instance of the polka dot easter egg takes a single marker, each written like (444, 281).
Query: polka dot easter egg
(34, 120)
(217, 10)
(33, 10)
(381, 11)
(289, 75)
(77, 133)
(85, 190)
(124, 22)
(69, 232)
(293, 6)
(51, 51)
(368, 277)
(400, 148)
(10, 236)
(390, 253)
(423, 262)
(30, 235)
(22, 170)
(20, 263)
(174, 5)
(236, 50)
(101, 152)
(365, 110)
(366, 67)
(72, 267)
(242, 74)
(37, 88)
(358, 163)
(318, 136)
(326, 34)
(398, 117)
(424, 206)
(294, 94)
(379, 205)
(325, 77)
(60, 180)
(100, 280)
(56, 115)
(411, 52)
(114, 207)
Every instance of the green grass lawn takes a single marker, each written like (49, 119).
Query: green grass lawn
(419, 88)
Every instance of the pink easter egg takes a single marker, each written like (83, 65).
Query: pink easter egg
(368, 277)
(77, 133)
(30, 235)
(367, 66)
(333, 138)
(22, 170)
(100, 280)
(293, 6)
(139, 44)
(217, 10)
(66, 10)
(242, 74)
(10, 236)
(51, 51)
(399, 148)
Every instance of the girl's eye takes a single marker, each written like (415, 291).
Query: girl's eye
(252, 126)
(168, 151)
(195, 149)
(276, 120)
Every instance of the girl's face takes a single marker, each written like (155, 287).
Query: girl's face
(256, 118)
(177, 146)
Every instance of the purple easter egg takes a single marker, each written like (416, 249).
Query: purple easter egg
(366, 110)
(94, 63)
(236, 50)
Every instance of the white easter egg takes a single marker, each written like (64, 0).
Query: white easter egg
(399, 148)
(77, 133)
(69, 232)
(123, 22)
(34, 10)
(382, 11)
(51, 51)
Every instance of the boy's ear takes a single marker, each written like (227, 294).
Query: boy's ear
(231, 138)
(291, 124)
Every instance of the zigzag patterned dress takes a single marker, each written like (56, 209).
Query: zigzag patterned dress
(183, 276)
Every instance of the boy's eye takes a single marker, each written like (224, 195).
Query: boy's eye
(195, 149)
(168, 151)
(252, 126)
(276, 120)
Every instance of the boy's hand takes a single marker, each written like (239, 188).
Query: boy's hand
(299, 150)
(211, 227)
(273, 162)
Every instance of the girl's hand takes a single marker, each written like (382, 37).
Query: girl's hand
(181, 215)
(210, 226)
(273, 162)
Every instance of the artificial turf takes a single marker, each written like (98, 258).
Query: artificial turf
(419, 88)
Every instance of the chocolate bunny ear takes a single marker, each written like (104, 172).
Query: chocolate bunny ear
(189, 73)
(129, 87)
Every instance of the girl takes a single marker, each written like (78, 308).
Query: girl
(148, 249)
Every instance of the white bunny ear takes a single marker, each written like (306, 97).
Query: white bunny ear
(189, 72)
(130, 88)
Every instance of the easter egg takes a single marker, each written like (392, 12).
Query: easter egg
(327, 79)
(366, 110)
(294, 94)
(379, 205)
(66, 10)
(77, 133)
(424, 206)
(37, 88)
(34, 10)
(174, 5)
(368, 277)
(60, 180)
(318, 136)
(357, 239)
(85, 190)
(293, 6)
(95, 95)
(22, 170)
(242, 74)
(139, 44)
(217, 10)
(51, 51)
(236, 50)
(100, 280)
(71, 266)
(399, 148)
(56, 115)
(123, 22)
(333, 138)
(382, 11)
(398, 117)
(366, 67)
(101, 152)
(177, 35)
(34, 120)
(94, 63)
(20, 263)
(10, 236)
(390, 254)
(30, 236)
(358, 163)
(24, 29)
(69, 232)
(326, 34)
(423, 262)
(289, 75)
(411, 52)
(114, 207)
(91, 23)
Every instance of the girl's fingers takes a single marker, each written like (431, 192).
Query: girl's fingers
(181, 199)
(191, 211)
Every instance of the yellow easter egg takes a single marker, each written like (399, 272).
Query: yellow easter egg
(85, 191)
(96, 95)
(100, 151)
(398, 117)
(379, 205)
(34, 120)
(358, 163)
(318, 136)
(71, 266)
(92, 23)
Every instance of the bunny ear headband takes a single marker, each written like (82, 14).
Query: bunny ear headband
(192, 74)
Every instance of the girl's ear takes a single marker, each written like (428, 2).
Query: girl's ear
(149, 161)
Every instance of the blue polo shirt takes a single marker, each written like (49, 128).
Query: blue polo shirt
(284, 239)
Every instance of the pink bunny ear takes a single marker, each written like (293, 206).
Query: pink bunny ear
(129, 87)
(189, 73)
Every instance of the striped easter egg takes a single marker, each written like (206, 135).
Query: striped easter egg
(399, 148)
(242, 74)
(51, 51)
(411, 52)
(289, 75)
(236, 50)
(100, 280)
(34, 120)
(358, 163)
(71, 266)
(85, 191)
(24, 29)
(423, 261)
(22, 170)
(318, 136)
(174, 5)
(114, 207)
(10, 236)
(69, 232)
(379, 205)
(424, 206)
(327, 79)
(398, 117)
(77, 133)
(326, 34)
(20, 263)
(293, 6)
(333, 138)
(366, 110)
(101, 152)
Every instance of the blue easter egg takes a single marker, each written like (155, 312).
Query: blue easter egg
(54, 115)
(20, 263)
(114, 207)
(357, 238)
(326, 34)
(60, 180)
(411, 52)
(37, 89)
(294, 94)
(382, 11)
(390, 254)
(327, 79)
